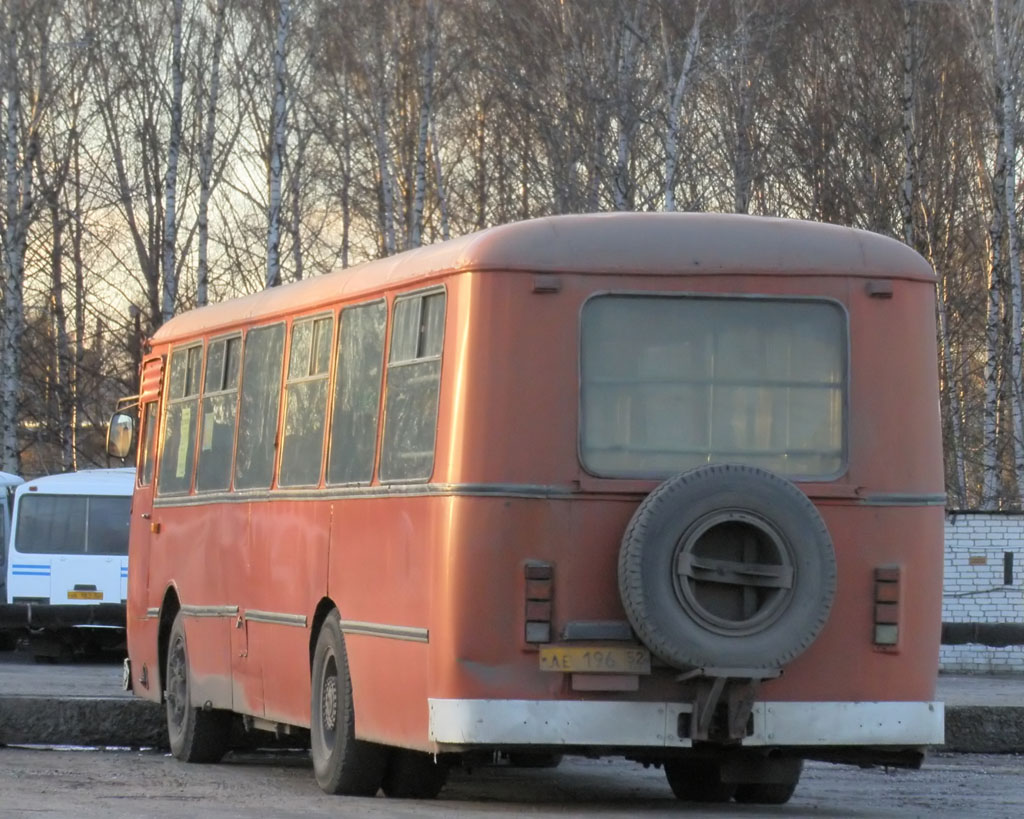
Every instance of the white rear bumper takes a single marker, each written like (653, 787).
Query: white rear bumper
(653, 724)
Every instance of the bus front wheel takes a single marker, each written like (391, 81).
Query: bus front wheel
(342, 763)
(195, 734)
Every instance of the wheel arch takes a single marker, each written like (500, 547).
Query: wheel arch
(169, 609)
(323, 608)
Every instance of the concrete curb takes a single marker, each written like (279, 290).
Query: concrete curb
(135, 723)
(985, 729)
(89, 721)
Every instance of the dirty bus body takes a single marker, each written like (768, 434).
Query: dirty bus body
(660, 485)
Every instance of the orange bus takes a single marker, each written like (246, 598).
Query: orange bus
(661, 486)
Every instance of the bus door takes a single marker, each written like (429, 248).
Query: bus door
(142, 524)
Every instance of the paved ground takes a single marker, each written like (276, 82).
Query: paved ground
(126, 785)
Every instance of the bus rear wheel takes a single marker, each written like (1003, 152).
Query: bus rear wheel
(413, 775)
(698, 780)
(342, 764)
(195, 734)
(764, 793)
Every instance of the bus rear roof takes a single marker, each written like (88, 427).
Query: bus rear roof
(118, 481)
(597, 243)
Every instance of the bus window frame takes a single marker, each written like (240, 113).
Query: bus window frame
(287, 380)
(388, 365)
(204, 394)
(845, 350)
(285, 352)
(333, 387)
(166, 403)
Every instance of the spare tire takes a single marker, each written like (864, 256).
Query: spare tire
(727, 566)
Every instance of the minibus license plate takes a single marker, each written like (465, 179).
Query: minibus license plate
(85, 595)
(596, 659)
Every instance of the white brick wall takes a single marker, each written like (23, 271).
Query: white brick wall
(974, 590)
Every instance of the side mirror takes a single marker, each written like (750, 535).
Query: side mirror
(120, 434)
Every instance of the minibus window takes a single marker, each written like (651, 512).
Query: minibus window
(73, 524)
(178, 447)
(305, 396)
(258, 407)
(108, 525)
(670, 383)
(357, 393)
(220, 404)
(413, 382)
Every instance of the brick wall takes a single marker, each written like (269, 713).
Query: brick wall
(975, 588)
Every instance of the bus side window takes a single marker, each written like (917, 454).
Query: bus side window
(305, 402)
(220, 405)
(147, 456)
(179, 440)
(413, 384)
(259, 405)
(357, 393)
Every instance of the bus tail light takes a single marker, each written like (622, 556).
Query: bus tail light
(539, 601)
(887, 606)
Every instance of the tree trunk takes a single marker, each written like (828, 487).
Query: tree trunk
(677, 88)
(170, 270)
(423, 132)
(206, 157)
(277, 147)
(1008, 102)
(990, 489)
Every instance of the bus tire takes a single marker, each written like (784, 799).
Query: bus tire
(413, 775)
(342, 764)
(727, 566)
(765, 793)
(697, 780)
(195, 734)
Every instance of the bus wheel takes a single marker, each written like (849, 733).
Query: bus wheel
(763, 793)
(413, 775)
(342, 763)
(697, 780)
(727, 566)
(786, 775)
(195, 734)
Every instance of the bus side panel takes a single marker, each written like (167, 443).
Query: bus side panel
(380, 578)
(291, 537)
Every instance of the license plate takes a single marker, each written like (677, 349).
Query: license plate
(595, 659)
(85, 595)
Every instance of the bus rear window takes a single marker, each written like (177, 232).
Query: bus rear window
(670, 383)
(73, 525)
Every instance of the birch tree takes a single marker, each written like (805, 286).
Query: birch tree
(678, 83)
(278, 124)
(923, 238)
(170, 272)
(1007, 33)
(206, 153)
(428, 61)
(26, 48)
